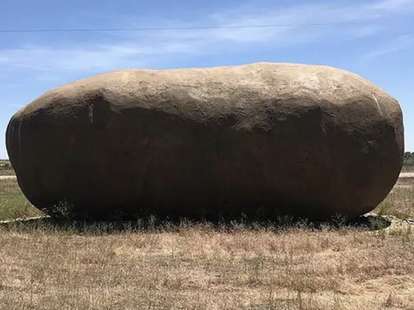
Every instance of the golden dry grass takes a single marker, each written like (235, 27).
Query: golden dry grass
(6, 172)
(206, 266)
(400, 202)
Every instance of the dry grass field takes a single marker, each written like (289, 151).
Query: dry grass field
(236, 265)
(408, 168)
(13, 204)
(400, 202)
(5, 168)
(205, 267)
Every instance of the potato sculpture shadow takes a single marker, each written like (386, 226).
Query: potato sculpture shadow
(275, 139)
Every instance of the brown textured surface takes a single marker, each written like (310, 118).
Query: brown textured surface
(263, 138)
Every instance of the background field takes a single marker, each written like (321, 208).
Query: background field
(6, 168)
(13, 204)
(234, 265)
(408, 162)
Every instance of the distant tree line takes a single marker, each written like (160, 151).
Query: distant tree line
(409, 158)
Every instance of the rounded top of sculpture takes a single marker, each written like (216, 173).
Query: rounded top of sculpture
(230, 84)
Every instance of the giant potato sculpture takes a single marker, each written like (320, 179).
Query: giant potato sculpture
(265, 138)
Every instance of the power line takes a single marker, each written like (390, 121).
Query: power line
(207, 27)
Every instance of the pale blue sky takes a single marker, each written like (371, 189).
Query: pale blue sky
(372, 38)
